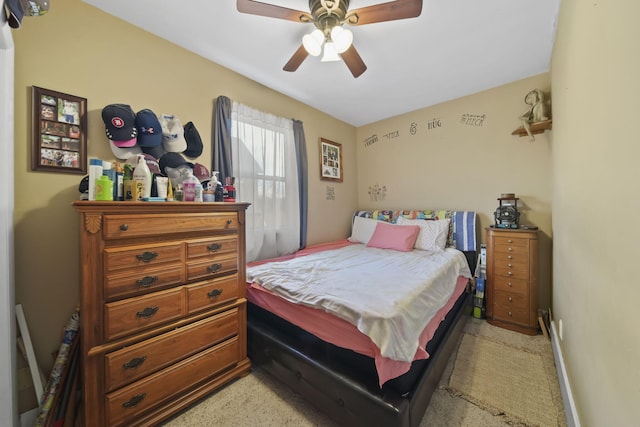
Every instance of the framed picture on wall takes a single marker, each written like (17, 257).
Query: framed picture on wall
(330, 160)
(58, 135)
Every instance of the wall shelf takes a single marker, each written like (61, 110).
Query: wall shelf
(536, 128)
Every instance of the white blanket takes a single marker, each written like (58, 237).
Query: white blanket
(389, 296)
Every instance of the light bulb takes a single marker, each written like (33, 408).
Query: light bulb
(313, 42)
(341, 38)
(330, 53)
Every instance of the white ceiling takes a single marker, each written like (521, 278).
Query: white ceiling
(453, 49)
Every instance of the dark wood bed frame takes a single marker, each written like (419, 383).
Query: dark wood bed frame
(342, 383)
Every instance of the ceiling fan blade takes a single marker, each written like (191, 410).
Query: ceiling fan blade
(297, 58)
(271, 11)
(353, 60)
(390, 11)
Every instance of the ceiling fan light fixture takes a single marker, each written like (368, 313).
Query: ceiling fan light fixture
(341, 38)
(330, 53)
(313, 42)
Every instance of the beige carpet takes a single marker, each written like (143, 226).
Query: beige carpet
(260, 400)
(504, 380)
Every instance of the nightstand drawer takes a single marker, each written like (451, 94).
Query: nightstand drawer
(131, 363)
(521, 252)
(129, 316)
(124, 405)
(151, 225)
(511, 242)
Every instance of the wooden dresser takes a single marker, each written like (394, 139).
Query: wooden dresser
(512, 280)
(163, 309)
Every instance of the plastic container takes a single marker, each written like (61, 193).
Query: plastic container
(141, 179)
(189, 187)
(95, 171)
(104, 188)
(109, 171)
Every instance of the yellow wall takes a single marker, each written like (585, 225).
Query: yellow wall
(595, 69)
(80, 50)
(432, 158)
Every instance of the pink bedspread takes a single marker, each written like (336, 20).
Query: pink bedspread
(339, 332)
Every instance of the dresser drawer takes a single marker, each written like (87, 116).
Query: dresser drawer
(137, 281)
(214, 246)
(511, 241)
(124, 405)
(512, 284)
(515, 251)
(207, 268)
(208, 294)
(512, 268)
(151, 225)
(127, 257)
(131, 315)
(131, 363)
(511, 307)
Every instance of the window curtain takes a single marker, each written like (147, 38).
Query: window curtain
(303, 177)
(264, 160)
(221, 138)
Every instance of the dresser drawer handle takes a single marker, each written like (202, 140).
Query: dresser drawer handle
(148, 312)
(509, 257)
(229, 221)
(510, 285)
(509, 273)
(146, 281)
(214, 247)
(510, 299)
(214, 293)
(509, 265)
(124, 227)
(134, 363)
(509, 241)
(510, 314)
(147, 256)
(510, 249)
(214, 267)
(134, 401)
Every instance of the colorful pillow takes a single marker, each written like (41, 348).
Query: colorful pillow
(433, 233)
(397, 237)
(362, 229)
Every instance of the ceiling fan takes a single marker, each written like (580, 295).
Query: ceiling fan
(329, 16)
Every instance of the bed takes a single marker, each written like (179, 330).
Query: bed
(344, 360)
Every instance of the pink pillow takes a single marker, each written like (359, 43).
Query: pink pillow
(397, 237)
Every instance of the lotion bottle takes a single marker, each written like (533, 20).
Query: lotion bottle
(141, 179)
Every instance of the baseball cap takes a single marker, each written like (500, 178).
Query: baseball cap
(194, 142)
(152, 163)
(149, 129)
(123, 153)
(156, 151)
(172, 160)
(119, 121)
(201, 172)
(15, 13)
(172, 134)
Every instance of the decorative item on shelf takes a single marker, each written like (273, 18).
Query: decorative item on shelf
(507, 215)
(535, 120)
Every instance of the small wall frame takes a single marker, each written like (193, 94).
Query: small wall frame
(58, 135)
(330, 161)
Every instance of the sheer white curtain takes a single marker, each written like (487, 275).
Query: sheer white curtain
(264, 162)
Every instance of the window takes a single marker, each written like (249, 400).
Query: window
(264, 162)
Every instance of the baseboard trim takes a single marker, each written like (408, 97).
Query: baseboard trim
(570, 411)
